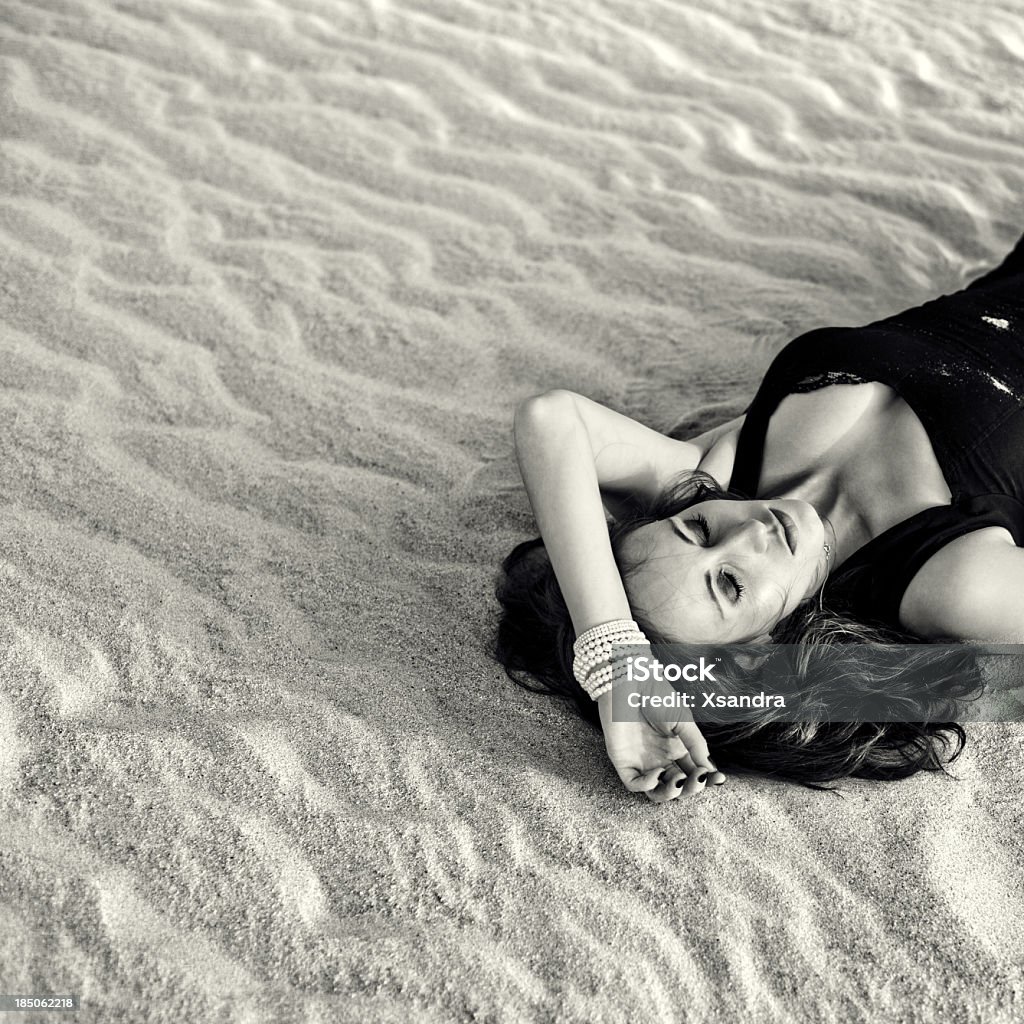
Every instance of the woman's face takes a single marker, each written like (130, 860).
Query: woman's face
(726, 571)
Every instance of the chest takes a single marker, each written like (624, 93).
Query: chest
(862, 451)
(860, 446)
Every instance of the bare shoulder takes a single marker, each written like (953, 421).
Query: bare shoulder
(718, 452)
(970, 589)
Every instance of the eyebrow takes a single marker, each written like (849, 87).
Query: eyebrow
(714, 596)
(675, 526)
(680, 532)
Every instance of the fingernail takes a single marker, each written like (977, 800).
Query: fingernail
(679, 783)
(702, 776)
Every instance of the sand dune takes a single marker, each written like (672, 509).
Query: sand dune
(273, 275)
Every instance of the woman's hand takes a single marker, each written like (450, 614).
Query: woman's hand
(663, 760)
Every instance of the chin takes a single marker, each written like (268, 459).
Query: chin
(810, 520)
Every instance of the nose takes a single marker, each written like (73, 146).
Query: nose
(752, 536)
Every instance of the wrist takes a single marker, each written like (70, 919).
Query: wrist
(597, 650)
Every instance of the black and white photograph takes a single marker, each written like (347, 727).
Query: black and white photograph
(512, 511)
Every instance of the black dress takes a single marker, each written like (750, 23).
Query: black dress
(958, 362)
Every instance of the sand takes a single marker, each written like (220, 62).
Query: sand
(273, 275)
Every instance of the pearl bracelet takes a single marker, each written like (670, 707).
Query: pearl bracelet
(593, 662)
(599, 682)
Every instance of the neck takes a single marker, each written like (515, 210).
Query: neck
(846, 529)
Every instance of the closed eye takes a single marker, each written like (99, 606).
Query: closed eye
(702, 525)
(732, 584)
(728, 582)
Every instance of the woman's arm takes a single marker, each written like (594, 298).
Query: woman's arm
(571, 451)
(634, 461)
(568, 449)
(970, 589)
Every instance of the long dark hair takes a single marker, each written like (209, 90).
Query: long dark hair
(534, 644)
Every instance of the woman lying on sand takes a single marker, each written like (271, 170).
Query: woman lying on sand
(885, 466)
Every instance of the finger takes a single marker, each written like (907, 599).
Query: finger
(696, 782)
(696, 745)
(670, 787)
(691, 767)
(640, 782)
(697, 751)
(716, 778)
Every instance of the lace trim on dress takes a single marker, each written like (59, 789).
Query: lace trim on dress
(827, 379)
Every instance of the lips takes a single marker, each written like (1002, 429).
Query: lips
(788, 528)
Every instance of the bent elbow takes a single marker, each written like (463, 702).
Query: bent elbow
(545, 410)
(543, 419)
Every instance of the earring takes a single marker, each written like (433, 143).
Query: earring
(827, 548)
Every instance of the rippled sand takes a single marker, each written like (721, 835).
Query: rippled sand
(272, 278)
